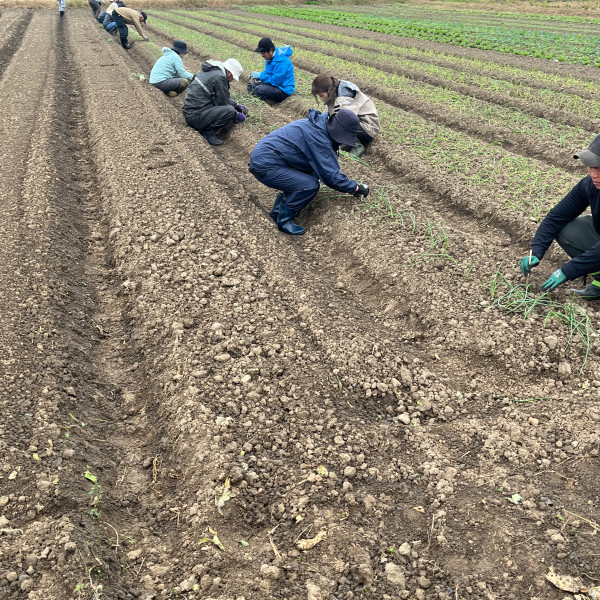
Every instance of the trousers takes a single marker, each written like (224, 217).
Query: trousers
(121, 25)
(211, 118)
(266, 91)
(578, 236)
(299, 188)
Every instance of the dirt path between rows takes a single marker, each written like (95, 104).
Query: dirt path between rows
(190, 393)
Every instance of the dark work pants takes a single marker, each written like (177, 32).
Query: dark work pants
(578, 236)
(299, 188)
(95, 6)
(211, 118)
(266, 91)
(168, 85)
(121, 25)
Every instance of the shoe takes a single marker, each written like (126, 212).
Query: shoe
(285, 221)
(183, 84)
(126, 45)
(591, 292)
(62, 14)
(172, 94)
(275, 210)
(210, 136)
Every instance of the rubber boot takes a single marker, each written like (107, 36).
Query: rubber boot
(62, 14)
(285, 221)
(275, 210)
(210, 136)
(592, 291)
(183, 84)
(359, 150)
(126, 44)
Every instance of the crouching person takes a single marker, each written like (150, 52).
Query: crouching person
(277, 81)
(168, 73)
(208, 106)
(295, 157)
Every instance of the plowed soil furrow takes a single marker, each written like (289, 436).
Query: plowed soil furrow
(12, 37)
(218, 394)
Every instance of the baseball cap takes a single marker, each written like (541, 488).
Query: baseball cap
(264, 45)
(590, 157)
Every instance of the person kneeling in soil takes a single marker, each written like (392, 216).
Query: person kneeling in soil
(577, 234)
(293, 159)
(208, 106)
(337, 94)
(276, 82)
(124, 16)
(168, 73)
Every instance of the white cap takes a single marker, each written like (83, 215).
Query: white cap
(234, 67)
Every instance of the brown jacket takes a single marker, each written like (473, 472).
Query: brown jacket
(351, 98)
(131, 17)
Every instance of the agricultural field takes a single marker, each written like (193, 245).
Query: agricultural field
(198, 406)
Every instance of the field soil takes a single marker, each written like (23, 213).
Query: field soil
(198, 406)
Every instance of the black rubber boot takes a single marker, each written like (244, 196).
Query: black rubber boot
(285, 221)
(62, 14)
(275, 210)
(591, 292)
(125, 44)
(210, 136)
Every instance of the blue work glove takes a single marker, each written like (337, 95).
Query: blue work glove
(526, 265)
(557, 278)
(255, 74)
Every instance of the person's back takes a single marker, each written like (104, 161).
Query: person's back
(209, 88)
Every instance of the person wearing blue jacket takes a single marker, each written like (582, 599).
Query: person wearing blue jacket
(295, 157)
(577, 234)
(276, 82)
(168, 73)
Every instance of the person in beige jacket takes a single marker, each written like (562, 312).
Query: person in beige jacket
(337, 94)
(124, 16)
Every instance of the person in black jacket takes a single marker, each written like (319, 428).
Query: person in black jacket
(577, 234)
(208, 105)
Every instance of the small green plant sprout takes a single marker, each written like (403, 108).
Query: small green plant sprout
(214, 540)
(560, 517)
(515, 499)
(139, 76)
(243, 542)
(390, 551)
(95, 493)
(225, 495)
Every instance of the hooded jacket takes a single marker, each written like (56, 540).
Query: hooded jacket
(304, 146)
(279, 71)
(209, 88)
(167, 66)
(582, 196)
(351, 98)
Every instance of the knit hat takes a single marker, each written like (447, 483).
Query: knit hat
(180, 47)
(590, 157)
(234, 67)
(343, 127)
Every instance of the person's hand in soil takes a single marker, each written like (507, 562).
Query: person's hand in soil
(527, 263)
(557, 278)
(362, 189)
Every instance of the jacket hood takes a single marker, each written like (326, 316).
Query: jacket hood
(318, 119)
(346, 88)
(282, 52)
(166, 51)
(211, 65)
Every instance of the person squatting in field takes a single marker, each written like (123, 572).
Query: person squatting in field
(168, 73)
(577, 234)
(208, 106)
(337, 94)
(276, 82)
(124, 16)
(295, 157)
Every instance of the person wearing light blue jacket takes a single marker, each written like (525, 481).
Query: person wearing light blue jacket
(168, 73)
(276, 82)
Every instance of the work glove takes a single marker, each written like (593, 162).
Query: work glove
(526, 265)
(146, 38)
(557, 278)
(255, 74)
(241, 117)
(241, 108)
(363, 190)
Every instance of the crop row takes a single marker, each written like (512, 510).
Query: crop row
(512, 182)
(577, 110)
(509, 123)
(553, 46)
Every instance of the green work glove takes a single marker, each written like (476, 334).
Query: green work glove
(526, 265)
(557, 278)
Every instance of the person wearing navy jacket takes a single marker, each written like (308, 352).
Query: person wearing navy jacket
(277, 81)
(577, 234)
(296, 156)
